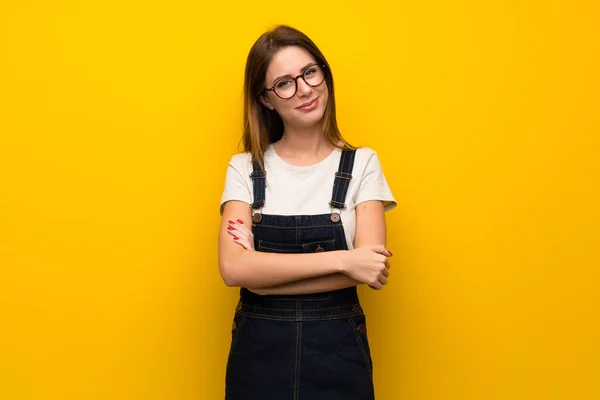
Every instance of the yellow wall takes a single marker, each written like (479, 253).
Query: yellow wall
(117, 120)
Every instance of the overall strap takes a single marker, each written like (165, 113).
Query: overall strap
(341, 182)
(258, 176)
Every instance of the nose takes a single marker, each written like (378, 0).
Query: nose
(303, 87)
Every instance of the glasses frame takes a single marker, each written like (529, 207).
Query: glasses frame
(323, 66)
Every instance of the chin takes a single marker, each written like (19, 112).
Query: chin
(312, 119)
(308, 122)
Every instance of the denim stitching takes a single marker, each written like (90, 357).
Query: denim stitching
(343, 236)
(342, 168)
(319, 242)
(297, 319)
(342, 180)
(236, 334)
(298, 350)
(301, 247)
(290, 310)
(296, 299)
(336, 184)
(296, 227)
(337, 204)
(362, 348)
(345, 182)
(343, 175)
(258, 185)
(336, 180)
(269, 248)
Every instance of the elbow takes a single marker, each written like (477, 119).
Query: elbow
(228, 274)
(228, 281)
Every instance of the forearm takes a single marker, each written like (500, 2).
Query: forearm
(318, 284)
(254, 269)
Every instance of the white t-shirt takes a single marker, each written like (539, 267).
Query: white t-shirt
(306, 190)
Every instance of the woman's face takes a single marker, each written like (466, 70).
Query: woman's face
(307, 106)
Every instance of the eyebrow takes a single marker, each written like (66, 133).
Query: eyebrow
(302, 71)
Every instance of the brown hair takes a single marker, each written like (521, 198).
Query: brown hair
(263, 126)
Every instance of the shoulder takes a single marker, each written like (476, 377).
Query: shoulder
(365, 152)
(241, 162)
(363, 157)
(241, 159)
(367, 163)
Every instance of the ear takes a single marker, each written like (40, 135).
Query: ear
(266, 102)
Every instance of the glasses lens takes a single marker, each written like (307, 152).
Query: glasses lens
(285, 88)
(314, 75)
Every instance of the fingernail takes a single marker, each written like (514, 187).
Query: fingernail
(390, 253)
(235, 238)
(230, 228)
(240, 221)
(231, 222)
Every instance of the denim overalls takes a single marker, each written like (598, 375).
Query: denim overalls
(300, 347)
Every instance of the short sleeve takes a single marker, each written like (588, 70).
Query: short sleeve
(374, 186)
(236, 186)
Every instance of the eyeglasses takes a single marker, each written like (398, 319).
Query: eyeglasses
(287, 87)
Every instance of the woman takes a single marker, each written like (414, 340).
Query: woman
(303, 224)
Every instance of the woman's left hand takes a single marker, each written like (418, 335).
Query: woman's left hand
(242, 235)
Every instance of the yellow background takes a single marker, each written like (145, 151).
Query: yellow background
(117, 120)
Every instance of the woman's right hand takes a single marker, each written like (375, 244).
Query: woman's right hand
(368, 264)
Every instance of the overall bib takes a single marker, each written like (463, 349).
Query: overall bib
(300, 347)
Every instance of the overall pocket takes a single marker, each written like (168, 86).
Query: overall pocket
(236, 327)
(273, 247)
(359, 325)
(307, 247)
(319, 246)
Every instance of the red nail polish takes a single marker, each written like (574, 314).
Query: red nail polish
(231, 222)
(240, 221)
(230, 228)
(390, 253)
(235, 238)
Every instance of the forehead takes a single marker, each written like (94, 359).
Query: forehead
(288, 61)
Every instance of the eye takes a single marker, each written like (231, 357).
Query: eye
(283, 83)
(311, 71)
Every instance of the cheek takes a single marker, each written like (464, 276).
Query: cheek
(323, 99)
(284, 107)
(324, 94)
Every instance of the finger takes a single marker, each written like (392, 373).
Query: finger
(238, 232)
(239, 225)
(242, 237)
(381, 258)
(234, 233)
(380, 249)
(244, 243)
(377, 248)
(376, 286)
(382, 279)
(386, 272)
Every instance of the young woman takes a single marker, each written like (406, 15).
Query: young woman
(303, 225)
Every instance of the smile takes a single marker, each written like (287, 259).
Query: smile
(309, 106)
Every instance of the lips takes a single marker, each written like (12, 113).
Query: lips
(308, 105)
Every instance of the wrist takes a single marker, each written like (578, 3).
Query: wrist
(341, 264)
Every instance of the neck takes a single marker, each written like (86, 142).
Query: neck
(304, 141)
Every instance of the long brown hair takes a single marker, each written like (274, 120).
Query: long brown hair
(263, 126)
